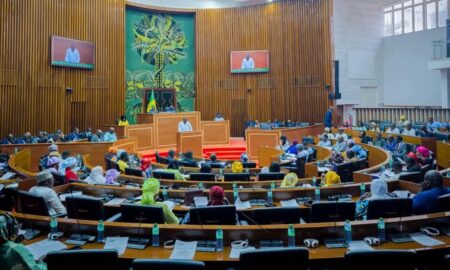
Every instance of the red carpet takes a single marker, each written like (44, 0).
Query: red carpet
(230, 151)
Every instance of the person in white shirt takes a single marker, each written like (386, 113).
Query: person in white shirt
(96, 176)
(219, 117)
(72, 55)
(341, 134)
(324, 142)
(327, 132)
(44, 189)
(184, 126)
(393, 130)
(301, 151)
(110, 136)
(409, 131)
(247, 62)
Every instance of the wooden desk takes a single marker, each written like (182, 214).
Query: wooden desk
(190, 141)
(253, 233)
(443, 154)
(266, 155)
(216, 132)
(21, 163)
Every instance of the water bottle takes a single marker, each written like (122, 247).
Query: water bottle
(381, 230)
(100, 232)
(314, 181)
(317, 194)
(247, 170)
(348, 231)
(220, 171)
(269, 196)
(53, 225)
(362, 189)
(219, 239)
(200, 185)
(155, 235)
(272, 185)
(165, 194)
(235, 193)
(391, 162)
(291, 236)
(16, 150)
(383, 168)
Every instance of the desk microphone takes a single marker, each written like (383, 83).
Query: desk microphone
(79, 237)
(400, 222)
(139, 242)
(256, 223)
(196, 213)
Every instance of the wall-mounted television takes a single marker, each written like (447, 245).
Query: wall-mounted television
(249, 61)
(66, 52)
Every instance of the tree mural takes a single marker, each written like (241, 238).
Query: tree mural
(160, 41)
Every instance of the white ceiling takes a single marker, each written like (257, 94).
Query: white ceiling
(200, 3)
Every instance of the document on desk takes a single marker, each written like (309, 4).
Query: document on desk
(183, 250)
(63, 197)
(289, 203)
(43, 247)
(425, 240)
(201, 201)
(169, 204)
(115, 202)
(8, 176)
(117, 243)
(240, 205)
(236, 252)
(359, 245)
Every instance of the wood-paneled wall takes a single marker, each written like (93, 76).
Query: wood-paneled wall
(297, 35)
(32, 93)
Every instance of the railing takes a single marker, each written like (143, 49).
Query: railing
(413, 114)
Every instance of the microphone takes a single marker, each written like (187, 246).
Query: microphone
(138, 242)
(196, 213)
(400, 222)
(77, 239)
(335, 242)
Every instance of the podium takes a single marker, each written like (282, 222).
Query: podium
(166, 126)
(190, 141)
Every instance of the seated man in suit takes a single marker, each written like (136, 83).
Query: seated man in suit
(44, 189)
(426, 201)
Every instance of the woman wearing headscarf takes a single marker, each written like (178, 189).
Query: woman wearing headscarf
(173, 167)
(150, 190)
(216, 197)
(290, 180)
(112, 177)
(146, 167)
(424, 156)
(378, 190)
(331, 178)
(293, 148)
(237, 167)
(123, 122)
(14, 255)
(69, 174)
(96, 176)
(53, 164)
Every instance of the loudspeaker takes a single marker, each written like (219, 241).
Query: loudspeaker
(448, 37)
(337, 93)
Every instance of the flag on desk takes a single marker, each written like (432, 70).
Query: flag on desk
(152, 103)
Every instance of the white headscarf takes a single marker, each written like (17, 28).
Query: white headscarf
(378, 189)
(96, 176)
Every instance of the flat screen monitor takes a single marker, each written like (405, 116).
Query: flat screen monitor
(249, 61)
(74, 53)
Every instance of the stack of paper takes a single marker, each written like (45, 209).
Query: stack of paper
(359, 245)
(236, 252)
(289, 203)
(201, 201)
(183, 250)
(115, 202)
(43, 247)
(117, 243)
(240, 205)
(425, 240)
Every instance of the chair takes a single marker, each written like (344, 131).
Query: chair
(59, 179)
(388, 208)
(108, 163)
(331, 211)
(275, 259)
(163, 175)
(133, 172)
(414, 177)
(444, 203)
(82, 259)
(165, 264)
(81, 207)
(270, 176)
(379, 259)
(249, 165)
(277, 215)
(345, 171)
(32, 204)
(210, 177)
(26, 184)
(236, 177)
(442, 137)
(141, 213)
(216, 165)
(213, 215)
